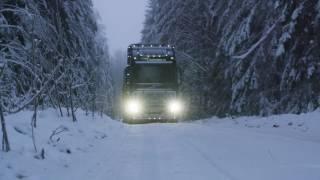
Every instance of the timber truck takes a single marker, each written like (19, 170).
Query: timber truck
(150, 85)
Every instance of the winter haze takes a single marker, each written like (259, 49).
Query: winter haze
(123, 20)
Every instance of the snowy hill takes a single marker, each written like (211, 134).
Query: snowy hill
(285, 147)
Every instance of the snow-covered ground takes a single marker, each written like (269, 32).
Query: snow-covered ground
(285, 147)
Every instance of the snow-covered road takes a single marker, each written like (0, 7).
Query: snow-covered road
(165, 151)
(193, 151)
(241, 149)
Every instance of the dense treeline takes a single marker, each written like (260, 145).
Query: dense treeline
(52, 54)
(242, 56)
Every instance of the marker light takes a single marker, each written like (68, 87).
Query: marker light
(133, 107)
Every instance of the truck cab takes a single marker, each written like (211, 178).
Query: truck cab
(150, 91)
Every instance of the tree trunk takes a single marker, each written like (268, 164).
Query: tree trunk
(61, 113)
(93, 105)
(34, 123)
(52, 102)
(5, 139)
(87, 111)
(74, 119)
(68, 112)
(35, 112)
(101, 109)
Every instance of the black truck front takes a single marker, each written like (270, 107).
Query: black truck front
(150, 91)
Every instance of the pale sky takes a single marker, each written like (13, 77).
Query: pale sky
(123, 20)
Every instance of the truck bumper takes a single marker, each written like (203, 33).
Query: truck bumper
(151, 119)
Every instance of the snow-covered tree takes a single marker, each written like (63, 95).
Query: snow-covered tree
(242, 57)
(53, 54)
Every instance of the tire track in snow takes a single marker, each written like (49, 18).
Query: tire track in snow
(135, 145)
(208, 159)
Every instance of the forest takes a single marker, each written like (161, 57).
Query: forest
(52, 54)
(248, 57)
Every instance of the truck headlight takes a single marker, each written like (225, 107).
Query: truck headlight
(133, 107)
(175, 106)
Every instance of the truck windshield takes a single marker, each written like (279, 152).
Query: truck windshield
(154, 73)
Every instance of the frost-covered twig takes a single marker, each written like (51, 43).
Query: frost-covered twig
(57, 131)
(13, 27)
(81, 85)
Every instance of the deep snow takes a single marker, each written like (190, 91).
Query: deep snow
(285, 147)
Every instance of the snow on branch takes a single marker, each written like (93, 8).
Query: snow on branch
(24, 66)
(258, 43)
(192, 60)
(13, 27)
(16, 9)
(46, 84)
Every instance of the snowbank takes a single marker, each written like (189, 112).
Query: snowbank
(304, 126)
(60, 151)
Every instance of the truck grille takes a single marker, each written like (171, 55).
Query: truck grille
(155, 101)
